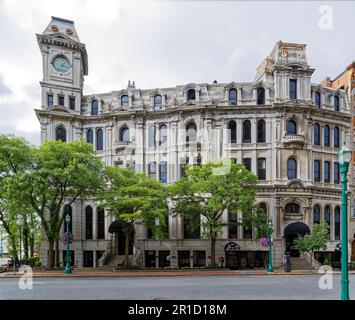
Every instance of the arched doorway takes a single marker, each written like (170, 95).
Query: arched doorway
(116, 227)
(291, 232)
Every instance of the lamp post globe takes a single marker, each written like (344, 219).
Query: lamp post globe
(269, 267)
(67, 265)
(344, 158)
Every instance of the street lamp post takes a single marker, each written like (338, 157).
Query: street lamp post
(1, 248)
(19, 223)
(269, 267)
(67, 265)
(344, 158)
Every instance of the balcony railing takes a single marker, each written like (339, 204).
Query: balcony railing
(295, 139)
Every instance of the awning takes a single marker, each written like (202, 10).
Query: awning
(115, 226)
(297, 228)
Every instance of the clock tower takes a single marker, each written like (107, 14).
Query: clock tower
(65, 63)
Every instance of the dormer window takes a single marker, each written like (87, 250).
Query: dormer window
(124, 101)
(260, 95)
(336, 103)
(94, 108)
(317, 99)
(233, 96)
(191, 94)
(293, 89)
(158, 101)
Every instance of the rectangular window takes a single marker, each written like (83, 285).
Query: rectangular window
(247, 163)
(336, 172)
(72, 103)
(293, 89)
(261, 168)
(100, 223)
(61, 100)
(316, 170)
(232, 225)
(247, 233)
(326, 171)
(50, 100)
(131, 165)
(163, 172)
(152, 170)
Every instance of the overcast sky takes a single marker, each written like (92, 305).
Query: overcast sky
(163, 43)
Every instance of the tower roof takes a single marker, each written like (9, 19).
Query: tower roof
(62, 26)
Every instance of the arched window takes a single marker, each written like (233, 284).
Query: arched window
(317, 99)
(327, 215)
(100, 223)
(124, 101)
(232, 126)
(99, 139)
(124, 134)
(90, 136)
(292, 208)
(61, 134)
(336, 103)
(163, 131)
(94, 108)
(233, 96)
(260, 95)
(326, 136)
(158, 101)
(263, 208)
(316, 134)
(261, 131)
(152, 136)
(68, 211)
(191, 94)
(336, 137)
(191, 132)
(291, 168)
(291, 127)
(337, 223)
(88, 222)
(246, 131)
(316, 214)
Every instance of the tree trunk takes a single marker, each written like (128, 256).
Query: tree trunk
(126, 251)
(50, 253)
(14, 246)
(25, 240)
(57, 262)
(213, 251)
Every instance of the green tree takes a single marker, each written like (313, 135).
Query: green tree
(134, 198)
(209, 190)
(16, 157)
(62, 172)
(317, 240)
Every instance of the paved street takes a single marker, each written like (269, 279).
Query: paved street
(189, 287)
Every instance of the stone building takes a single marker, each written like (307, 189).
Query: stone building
(346, 81)
(281, 126)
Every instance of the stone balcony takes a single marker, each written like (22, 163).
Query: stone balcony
(120, 146)
(297, 140)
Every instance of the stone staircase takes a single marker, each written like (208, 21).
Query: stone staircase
(299, 263)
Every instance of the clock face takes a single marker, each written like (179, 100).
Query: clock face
(61, 64)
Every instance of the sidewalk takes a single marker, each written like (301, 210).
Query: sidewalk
(97, 273)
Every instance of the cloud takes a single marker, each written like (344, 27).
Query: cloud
(160, 44)
(4, 89)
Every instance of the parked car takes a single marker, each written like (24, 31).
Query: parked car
(4, 263)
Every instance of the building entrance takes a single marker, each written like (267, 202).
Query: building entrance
(291, 232)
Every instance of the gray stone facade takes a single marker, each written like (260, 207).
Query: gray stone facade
(281, 95)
